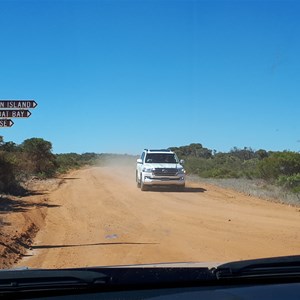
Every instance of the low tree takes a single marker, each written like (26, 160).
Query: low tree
(39, 157)
(243, 154)
(193, 150)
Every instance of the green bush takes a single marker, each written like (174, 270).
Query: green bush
(279, 163)
(68, 161)
(219, 173)
(39, 158)
(290, 182)
(7, 176)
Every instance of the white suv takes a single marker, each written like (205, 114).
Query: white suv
(159, 167)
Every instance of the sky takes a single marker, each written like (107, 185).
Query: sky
(119, 76)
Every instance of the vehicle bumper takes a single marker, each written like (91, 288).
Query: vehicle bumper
(177, 181)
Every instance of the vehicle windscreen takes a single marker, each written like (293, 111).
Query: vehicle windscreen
(161, 158)
(148, 131)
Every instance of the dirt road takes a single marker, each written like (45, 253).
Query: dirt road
(99, 217)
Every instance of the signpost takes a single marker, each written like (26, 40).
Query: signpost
(6, 123)
(18, 104)
(15, 113)
(14, 109)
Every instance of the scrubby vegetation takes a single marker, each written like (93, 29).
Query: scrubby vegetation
(280, 168)
(34, 158)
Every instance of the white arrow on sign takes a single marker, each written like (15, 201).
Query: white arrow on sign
(6, 123)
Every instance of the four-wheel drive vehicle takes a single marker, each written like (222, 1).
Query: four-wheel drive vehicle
(159, 167)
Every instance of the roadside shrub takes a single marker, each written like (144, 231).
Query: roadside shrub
(7, 176)
(279, 163)
(38, 157)
(290, 182)
(219, 173)
(67, 161)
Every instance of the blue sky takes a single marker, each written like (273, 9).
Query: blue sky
(119, 76)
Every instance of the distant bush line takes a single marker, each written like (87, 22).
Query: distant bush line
(276, 167)
(34, 158)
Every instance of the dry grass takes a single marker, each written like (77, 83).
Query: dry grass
(254, 187)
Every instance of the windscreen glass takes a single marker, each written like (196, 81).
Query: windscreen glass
(86, 86)
(161, 158)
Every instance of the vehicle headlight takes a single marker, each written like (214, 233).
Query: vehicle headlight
(181, 171)
(147, 170)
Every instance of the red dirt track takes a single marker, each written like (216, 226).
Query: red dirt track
(99, 217)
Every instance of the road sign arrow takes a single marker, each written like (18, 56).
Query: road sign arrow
(6, 123)
(12, 113)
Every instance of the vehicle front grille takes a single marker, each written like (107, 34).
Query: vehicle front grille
(165, 172)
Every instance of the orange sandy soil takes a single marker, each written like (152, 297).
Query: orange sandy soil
(98, 217)
(21, 218)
